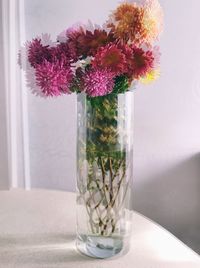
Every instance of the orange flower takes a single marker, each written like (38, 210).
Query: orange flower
(137, 24)
(124, 9)
(127, 22)
(153, 20)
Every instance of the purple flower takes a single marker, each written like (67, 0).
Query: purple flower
(53, 78)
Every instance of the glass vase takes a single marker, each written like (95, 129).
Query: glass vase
(104, 173)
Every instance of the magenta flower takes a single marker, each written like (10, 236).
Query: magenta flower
(62, 53)
(37, 52)
(98, 82)
(31, 83)
(54, 78)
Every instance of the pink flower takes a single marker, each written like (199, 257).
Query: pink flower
(98, 82)
(37, 52)
(54, 78)
(34, 52)
(62, 53)
(32, 84)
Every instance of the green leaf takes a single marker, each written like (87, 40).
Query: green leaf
(121, 84)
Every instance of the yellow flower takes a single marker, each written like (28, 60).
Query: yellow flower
(150, 77)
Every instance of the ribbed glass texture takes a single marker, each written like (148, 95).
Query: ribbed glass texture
(104, 173)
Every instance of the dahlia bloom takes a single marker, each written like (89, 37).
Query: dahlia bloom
(98, 82)
(128, 52)
(95, 40)
(54, 78)
(126, 22)
(152, 20)
(84, 43)
(142, 62)
(137, 23)
(97, 59)
(111, 57)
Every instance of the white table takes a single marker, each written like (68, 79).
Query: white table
(37, 229)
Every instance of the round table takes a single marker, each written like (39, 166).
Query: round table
(37, 229)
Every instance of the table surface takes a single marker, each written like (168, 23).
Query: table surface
(37, 229)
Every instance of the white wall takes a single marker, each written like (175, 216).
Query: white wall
(4, 167)
(167, 129)
(53, 122)
(167, 118)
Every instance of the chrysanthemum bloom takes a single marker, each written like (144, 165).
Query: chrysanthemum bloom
(137, 23)
(62, 53)
(128, 52)
(28, 54)
(111, 57)
(142, 62)
(76, 43)
(98, 82)
(54, 78)
(97, 39)
(127, 22)
(37, 52)
(150, 76)
(86, 43)
(152, 20)
(31, 82)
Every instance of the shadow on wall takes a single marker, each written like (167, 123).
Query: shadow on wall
(176, 203)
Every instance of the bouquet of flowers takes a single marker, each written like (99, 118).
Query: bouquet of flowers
(97, 60)
(100, 63)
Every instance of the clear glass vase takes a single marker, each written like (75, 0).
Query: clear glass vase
(104, 173)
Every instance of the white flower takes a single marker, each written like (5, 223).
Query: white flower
(82, 63)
